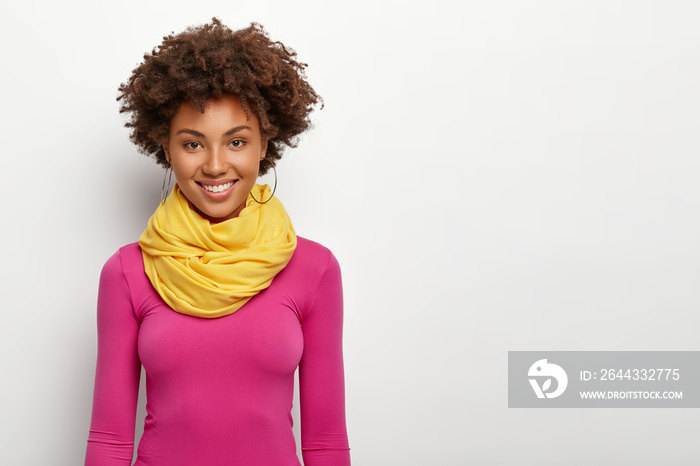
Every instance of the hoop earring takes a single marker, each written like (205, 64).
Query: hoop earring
(169, 176)
(272, 164)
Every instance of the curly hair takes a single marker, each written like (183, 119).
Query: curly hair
(211, 60)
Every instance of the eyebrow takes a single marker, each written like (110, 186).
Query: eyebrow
(200, 135)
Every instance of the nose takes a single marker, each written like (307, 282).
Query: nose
(215, 163)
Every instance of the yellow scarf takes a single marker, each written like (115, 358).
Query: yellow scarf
(211, 270)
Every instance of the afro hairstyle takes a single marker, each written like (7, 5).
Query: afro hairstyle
(209, 61)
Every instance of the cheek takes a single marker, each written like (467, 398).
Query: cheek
(250, 167)
(180, 171)
(183, 169)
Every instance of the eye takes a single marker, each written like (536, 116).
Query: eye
(237, 143)
(191, 145)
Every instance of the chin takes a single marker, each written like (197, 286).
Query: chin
(218, 214)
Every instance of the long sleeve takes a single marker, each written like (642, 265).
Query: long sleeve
(324, 438)
(111, 439)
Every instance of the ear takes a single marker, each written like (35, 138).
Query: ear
(166, 149)
(263, 149)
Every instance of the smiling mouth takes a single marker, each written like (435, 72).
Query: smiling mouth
(217, 188)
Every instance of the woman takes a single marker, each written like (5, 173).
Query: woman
(219, 300)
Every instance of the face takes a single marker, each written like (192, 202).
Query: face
(215, 155)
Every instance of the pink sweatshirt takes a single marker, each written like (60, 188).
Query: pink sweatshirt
(220, 390)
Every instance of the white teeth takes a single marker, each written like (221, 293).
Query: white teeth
(218, 188)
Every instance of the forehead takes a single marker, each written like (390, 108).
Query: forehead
(220, 113)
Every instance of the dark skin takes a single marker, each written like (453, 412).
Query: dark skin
(215, 155)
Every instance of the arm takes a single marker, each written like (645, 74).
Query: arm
(324, 440)
(111, 439)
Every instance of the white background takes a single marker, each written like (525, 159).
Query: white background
(500, 175)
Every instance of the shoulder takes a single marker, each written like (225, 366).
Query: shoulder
(316, 274)
(115, 261)
(127, 259)
(312, 258)
(127, 264)
(311, 268)
(130, 253)
(314, 268)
